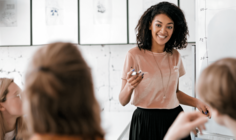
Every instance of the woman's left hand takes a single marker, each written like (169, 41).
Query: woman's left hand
(203, 108)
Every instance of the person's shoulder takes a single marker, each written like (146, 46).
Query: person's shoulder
(100, 138)
(134, 50)
(176, 53)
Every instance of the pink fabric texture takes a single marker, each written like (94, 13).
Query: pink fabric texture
(150, 92)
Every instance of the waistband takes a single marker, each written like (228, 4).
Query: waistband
(160, 110)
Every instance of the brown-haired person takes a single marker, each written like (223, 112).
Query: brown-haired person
(59, 96)
(11, 124)
(158, 65)
(216, 87)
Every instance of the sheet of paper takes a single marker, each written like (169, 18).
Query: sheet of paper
(55, 20)
(54, 12)
(14, 22)
(8, 13)
(103, 22)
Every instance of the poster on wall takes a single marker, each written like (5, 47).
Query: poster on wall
(102, 11)
(55, 20)
(14, 22)
(8, 13)
(103, 22)
(136, 9)
(54, 12)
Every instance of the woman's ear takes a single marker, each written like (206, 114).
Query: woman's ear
(217, 116)
(216, 112)
(150, 26)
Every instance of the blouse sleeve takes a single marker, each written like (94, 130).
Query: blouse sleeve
(128, 65)
(181, 67)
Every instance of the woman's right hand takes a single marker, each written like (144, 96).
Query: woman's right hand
(128, 85)
(185, 123)
(134, 80)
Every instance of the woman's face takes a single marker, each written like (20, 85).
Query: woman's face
(12, 102)
(162, 28)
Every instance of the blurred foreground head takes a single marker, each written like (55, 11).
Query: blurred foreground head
(217, 87)
(59, 95)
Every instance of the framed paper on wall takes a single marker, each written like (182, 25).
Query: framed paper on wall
(14, 22)
(103, 21)
(136, 9)
(55, 20)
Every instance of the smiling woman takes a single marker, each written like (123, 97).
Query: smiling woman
(175, 19)
(10, 110)
(162, 29)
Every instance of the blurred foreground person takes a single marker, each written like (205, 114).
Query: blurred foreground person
(216, 87)
(59, 96)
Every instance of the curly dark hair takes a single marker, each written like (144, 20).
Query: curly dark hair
(178, 39)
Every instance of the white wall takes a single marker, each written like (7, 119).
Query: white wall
(107, 64)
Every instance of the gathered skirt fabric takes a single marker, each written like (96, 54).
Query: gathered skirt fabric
(152, 124)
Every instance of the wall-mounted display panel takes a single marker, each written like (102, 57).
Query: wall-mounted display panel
(14, 22)
(188, 7)
(215, 41)
(103, 21)
(136, 9)
(55, 20)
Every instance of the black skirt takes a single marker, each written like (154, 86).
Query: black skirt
(152, 124)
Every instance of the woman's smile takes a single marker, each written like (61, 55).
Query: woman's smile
(161, 36)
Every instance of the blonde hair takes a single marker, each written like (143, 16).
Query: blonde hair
(60, 94)
(4, 84)
(217, 86)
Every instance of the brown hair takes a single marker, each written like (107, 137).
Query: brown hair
(217, 86)
(60, 93)
(4, 84)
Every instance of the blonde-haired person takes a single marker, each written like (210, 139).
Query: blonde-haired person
(59, 96)
(11, 123)
(216, 87)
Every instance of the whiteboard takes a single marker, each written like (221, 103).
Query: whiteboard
(216, 30)
(136, 9)
(54, 20)
(103, 22)
(14, 22)
(188, 7)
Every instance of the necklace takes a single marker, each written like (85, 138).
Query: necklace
(162, 74)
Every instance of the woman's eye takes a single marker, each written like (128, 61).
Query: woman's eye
(158, 25)
(170, 27)
(4, 99)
